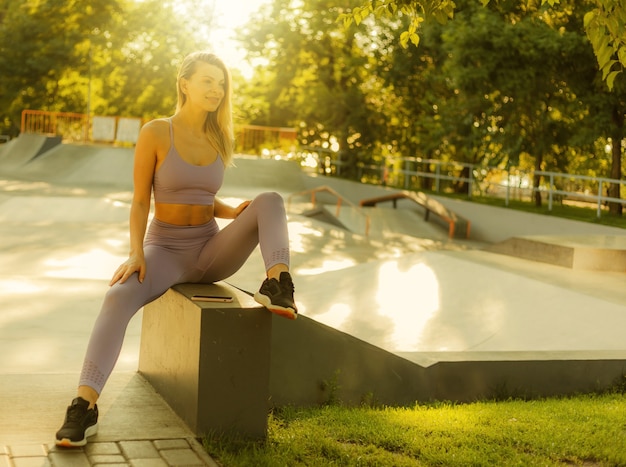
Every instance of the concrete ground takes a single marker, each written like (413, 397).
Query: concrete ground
(63, 230)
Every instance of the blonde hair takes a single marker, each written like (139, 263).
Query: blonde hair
(218, 125)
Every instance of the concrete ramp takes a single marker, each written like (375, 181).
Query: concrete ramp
(588, 252)
(21, 150)
(324, 214)
(447, 325)
(262, 174)
(82, 165)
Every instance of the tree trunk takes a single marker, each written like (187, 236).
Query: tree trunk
(426, 182)
(462, 187)
(616, 163)
(537, 180)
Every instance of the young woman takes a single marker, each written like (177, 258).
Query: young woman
(182, 160)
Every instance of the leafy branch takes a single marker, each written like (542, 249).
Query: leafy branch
(605, 25)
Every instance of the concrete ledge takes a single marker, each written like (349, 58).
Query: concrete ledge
(591, 252)
(314, 364)
(209, 361)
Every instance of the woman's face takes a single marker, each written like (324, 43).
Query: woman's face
(206, 87)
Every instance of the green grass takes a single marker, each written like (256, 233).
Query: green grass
(587, 430)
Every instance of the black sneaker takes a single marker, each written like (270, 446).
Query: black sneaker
(80, 422)
(277, 296)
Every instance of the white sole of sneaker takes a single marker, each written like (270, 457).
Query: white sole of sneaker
(68, 443)
(264, 300)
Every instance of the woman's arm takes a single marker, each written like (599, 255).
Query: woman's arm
(224, 211)
(143, 173)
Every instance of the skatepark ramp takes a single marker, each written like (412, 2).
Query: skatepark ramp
(345, 214)
(23, 149)
(386, 318)
(44, 159)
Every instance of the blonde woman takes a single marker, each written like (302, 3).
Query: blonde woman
(182, 160)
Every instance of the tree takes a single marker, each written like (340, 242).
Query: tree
(108, 57)
(411, 95)
(40, 50)
(540, 91)
(508, 66)
(317, 70)
(605, 25)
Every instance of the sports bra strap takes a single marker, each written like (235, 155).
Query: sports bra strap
(171, 131)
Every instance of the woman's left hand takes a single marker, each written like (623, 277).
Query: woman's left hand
(239, 209)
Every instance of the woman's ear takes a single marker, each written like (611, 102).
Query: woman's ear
(183, 85)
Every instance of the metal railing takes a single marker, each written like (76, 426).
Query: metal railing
(598, 198)
(340, 200)
(429, 205)
(76, 127)
(492, 181)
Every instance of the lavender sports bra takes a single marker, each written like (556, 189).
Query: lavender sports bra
(179, 182)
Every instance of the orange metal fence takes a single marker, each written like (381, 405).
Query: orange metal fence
(74, 127)
(71, 126)
(254, 138)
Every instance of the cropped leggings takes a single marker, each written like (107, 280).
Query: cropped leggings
(176, 254)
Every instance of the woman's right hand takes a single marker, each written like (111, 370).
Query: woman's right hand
(133, 264)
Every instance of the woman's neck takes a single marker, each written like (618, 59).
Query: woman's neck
(192, 121)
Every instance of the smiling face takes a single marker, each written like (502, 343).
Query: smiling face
(205, 88)
(204, 81)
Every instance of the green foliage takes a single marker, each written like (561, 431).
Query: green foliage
(315, 73)
(567, 431)
(417, 11)
(606, 31)
(506, 84)
(99, 56)
(605, 25)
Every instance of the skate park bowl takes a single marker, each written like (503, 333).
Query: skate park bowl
(527, 306)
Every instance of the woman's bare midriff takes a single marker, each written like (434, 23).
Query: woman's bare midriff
(183, 214)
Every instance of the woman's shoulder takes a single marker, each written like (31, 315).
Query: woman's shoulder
(157, 131)
(154, 137)
(157, 126)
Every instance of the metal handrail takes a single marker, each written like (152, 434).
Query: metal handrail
(429, 204)
(314, 191)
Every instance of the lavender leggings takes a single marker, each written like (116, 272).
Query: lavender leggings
(176, 254)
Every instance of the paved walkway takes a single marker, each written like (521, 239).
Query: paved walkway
(60, 240)
(158, 453)
(136, 427)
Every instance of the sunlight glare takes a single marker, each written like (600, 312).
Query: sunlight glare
(298, 232)
(336, 315)
(410, 298)
(94, 264)
(229, 18)
(18, 287)
(327, 266)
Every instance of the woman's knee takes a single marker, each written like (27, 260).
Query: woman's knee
(270, 198)
(121, 300)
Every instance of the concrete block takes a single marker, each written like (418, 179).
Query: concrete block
(209, 361)
(582, 252)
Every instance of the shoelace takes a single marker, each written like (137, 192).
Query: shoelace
(287, 285)
(75, 414)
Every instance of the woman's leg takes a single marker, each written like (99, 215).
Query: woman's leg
(121, 303)
(263, 223)
(171, 253)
